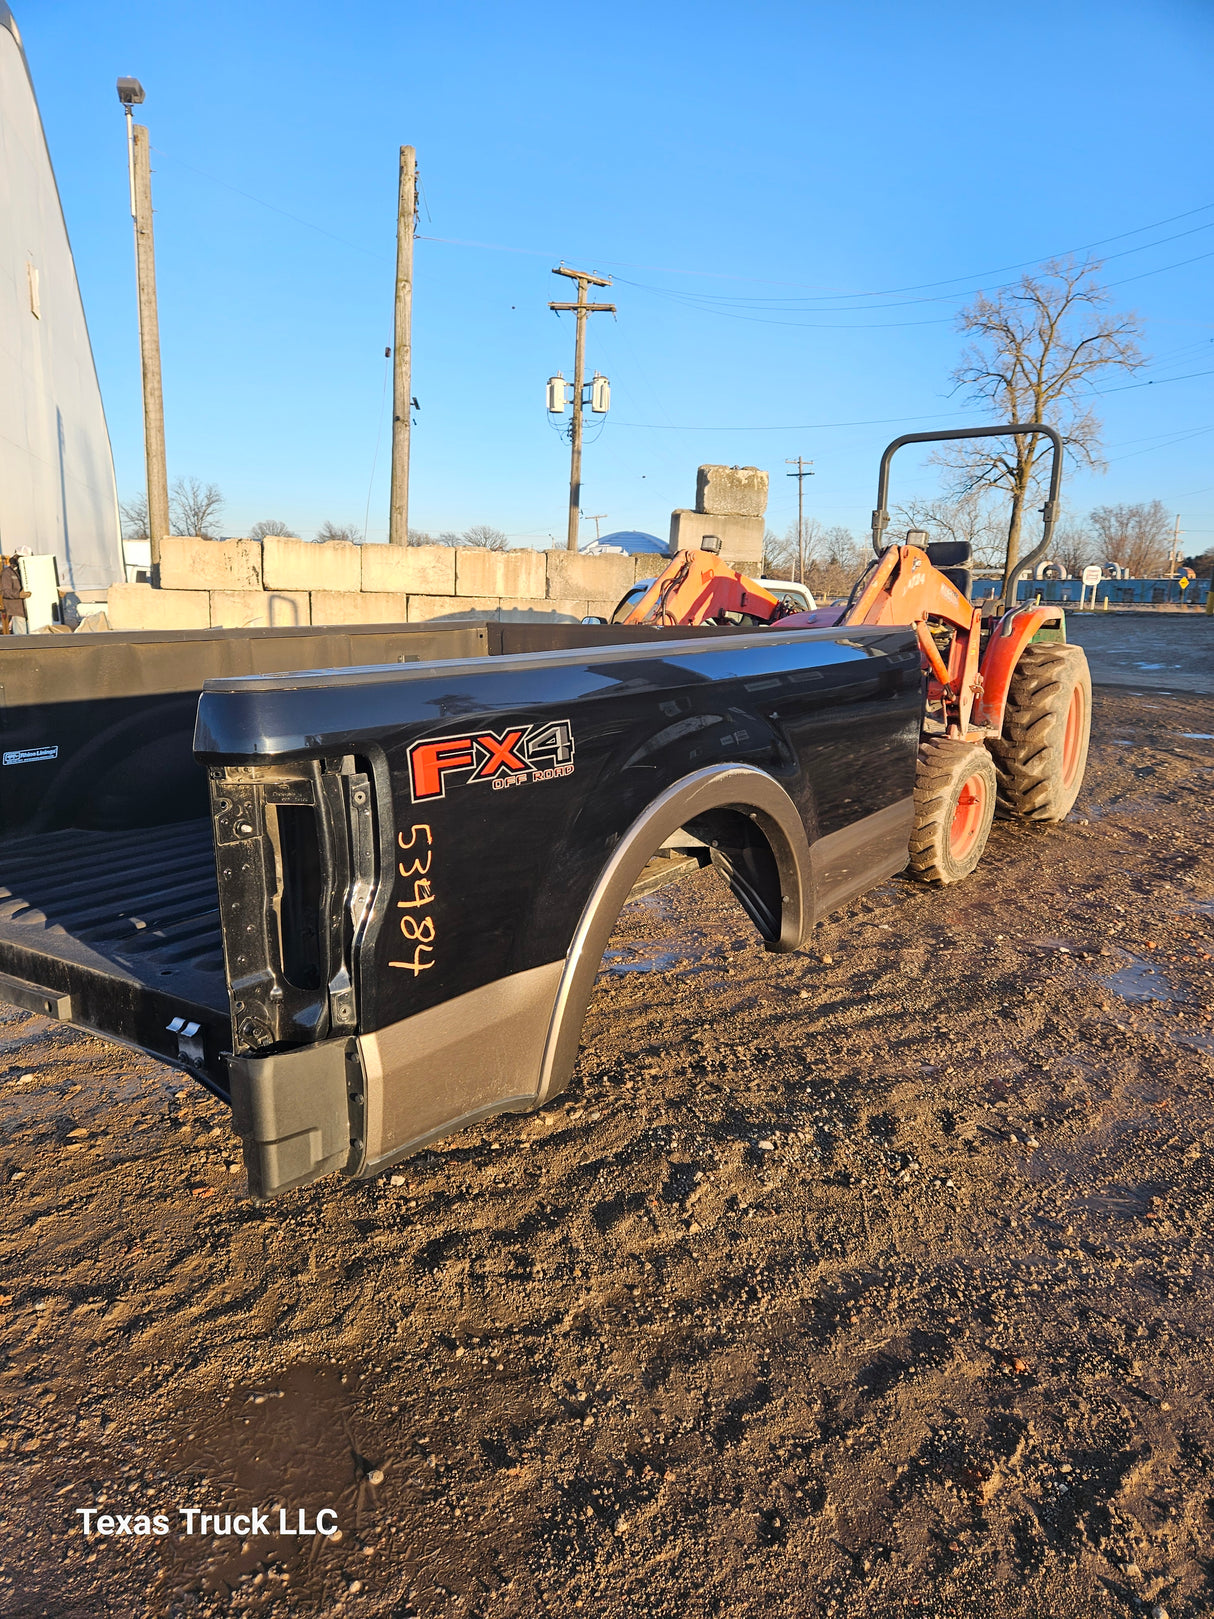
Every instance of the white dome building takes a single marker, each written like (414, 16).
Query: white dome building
(631, 541)
(57, 491)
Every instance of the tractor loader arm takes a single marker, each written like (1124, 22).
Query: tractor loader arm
(696, 587)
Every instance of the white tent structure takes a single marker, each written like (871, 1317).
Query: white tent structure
(630, 541)
(57, 491)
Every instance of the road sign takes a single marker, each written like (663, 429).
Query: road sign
(1093, 574)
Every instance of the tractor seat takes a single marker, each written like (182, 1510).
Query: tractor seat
(954, 559)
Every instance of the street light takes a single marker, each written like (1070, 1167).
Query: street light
(130, 93)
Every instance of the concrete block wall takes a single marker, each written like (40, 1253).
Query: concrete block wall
(278, 582)
(741, 537)
(731, 502)
(731, 491)
(289, 564)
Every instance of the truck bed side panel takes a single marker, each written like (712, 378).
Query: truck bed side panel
(501, 789)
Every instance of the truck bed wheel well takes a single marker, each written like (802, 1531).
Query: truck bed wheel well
(744, 857)
(758, 842)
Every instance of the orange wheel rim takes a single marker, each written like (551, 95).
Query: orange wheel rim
(967, 817)
(1071, 736)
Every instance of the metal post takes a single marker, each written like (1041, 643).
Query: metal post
(406, 214)
(149, 342)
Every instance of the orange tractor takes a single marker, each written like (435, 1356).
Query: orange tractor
(1008, 703)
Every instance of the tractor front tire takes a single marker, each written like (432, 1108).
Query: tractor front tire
(1042, 753)
(955, 791)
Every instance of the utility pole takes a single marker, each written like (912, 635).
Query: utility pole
(581, 309)
(1174, 554)
(406, 217)
(596, 518)
(800, 475)
(130, 93)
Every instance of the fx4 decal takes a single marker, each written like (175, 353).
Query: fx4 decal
(520, 753)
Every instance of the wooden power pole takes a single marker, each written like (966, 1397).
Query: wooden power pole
(1174, 553)
(149, 340)
(581, 309)
(402, 398)
(800, 475)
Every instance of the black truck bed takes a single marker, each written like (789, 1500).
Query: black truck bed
(108, 900)
(122, 928)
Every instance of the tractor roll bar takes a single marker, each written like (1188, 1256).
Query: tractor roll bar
(1049, 511)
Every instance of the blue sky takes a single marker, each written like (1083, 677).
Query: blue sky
(742, 171)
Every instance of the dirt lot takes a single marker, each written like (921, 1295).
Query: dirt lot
(870, 1281)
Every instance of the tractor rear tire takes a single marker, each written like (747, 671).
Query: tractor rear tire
(955, 792)
(1042, 753)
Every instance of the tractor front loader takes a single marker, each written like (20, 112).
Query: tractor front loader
(1008, 702)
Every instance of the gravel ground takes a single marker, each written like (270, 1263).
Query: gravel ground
(1148, 651)
(870, 1281)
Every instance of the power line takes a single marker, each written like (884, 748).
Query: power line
(693, 301)
(261, 202)
(1178, 438)
(1154, 382)
(876, 421)
(707, 298)
(498, 247)
(880, 292)
(792, 427)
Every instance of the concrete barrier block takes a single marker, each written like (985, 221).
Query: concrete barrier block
(259, 609)
(530, 610)
(187, 563)
(739, 536)
(141, 607)
(572, 575)
(423, 570)
(499, 573)
(731, 491)
(647, 566)
(603, 609)
(288, 564)
(423, 608)
(359, 607)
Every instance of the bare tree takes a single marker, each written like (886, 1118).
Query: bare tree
(841, 547)
(778, 562)
(272, 525)
(1074, 545)
(1037, 348)
(480, 535)
(968, 519)
(1135, 536)
(834, 563)
(344, 533)
(485, 538)
(832, 557)
(780, 551)
(195, 508)
(134, 513)
(418, 536)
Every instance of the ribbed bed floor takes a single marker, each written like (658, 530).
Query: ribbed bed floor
(145, 900)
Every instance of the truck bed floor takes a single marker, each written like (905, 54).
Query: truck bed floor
(138, 905)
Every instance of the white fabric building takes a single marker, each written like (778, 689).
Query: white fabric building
(57, 490)
(630, 541)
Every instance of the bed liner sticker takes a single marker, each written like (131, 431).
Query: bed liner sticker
(509, 758)
(30, 756)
